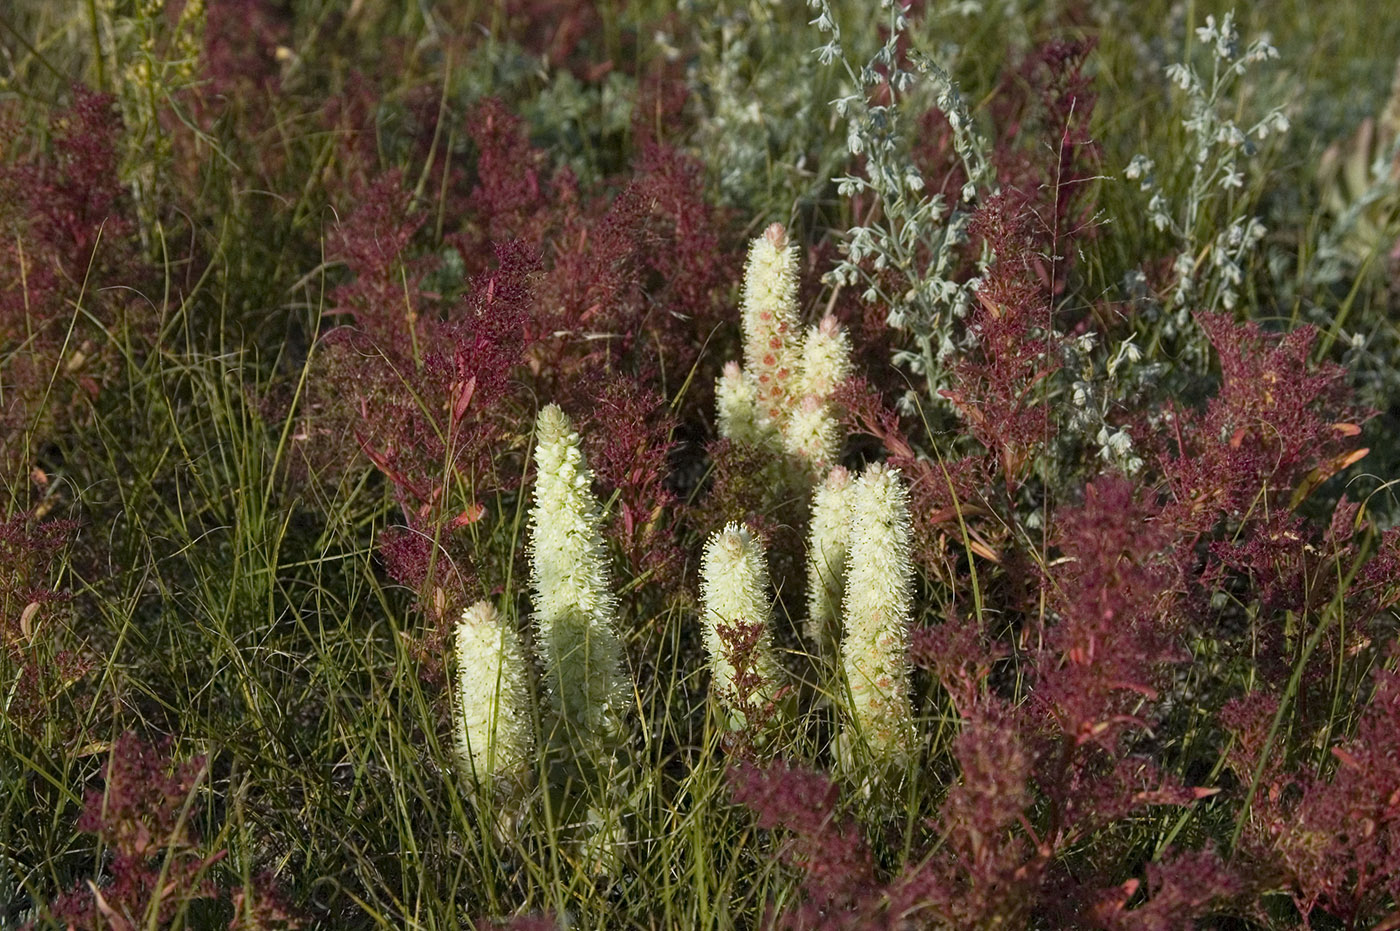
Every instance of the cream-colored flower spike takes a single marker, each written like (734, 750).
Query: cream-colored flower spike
(812, 435)
(810, 431)
(734, 588)
(772, 332)
(827, 547)
(826, 359)
(492, 700)
(575, 609)
(878, 614)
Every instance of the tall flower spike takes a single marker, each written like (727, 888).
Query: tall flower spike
(734, 588)
(826, 561)
(491, 704)
(575, 610)
(878, 605)
(812, 436)
(772, 333)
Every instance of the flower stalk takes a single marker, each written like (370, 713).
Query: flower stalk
(575, 609)
(878, 613)
(492, 700)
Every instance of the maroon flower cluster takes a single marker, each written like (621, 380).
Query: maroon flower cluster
(145, 818)
(63, 234)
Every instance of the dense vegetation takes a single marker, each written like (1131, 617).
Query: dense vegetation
(334, 335)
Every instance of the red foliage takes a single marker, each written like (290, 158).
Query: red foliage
(627, 435)
(998, 388)
(241, 39)
(1182, 887)
(63, 236)
(626, 280)
(33, 616)
(1274, 419)
(263, 906)
(838, 878)
(145, 819)
(142, 817)
(941, 494)
(1113, 599)
(1334, 839)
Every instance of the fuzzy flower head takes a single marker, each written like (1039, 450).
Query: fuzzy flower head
(878, 615)
(811, 431)
(734, 587)
(772, 333)
(575, 610)
(491, 702)
(827, 549)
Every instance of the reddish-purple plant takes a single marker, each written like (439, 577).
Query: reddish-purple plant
(1275, 418)
(838, 874)
(1114, 626)
(143, 816)
(241, 42)
(998, 389)
(34, 617)
(627, 280)
(627, 435)
(1181, 888)
(63, 235)
(262, 905)
(519, 923)
(1330, 834)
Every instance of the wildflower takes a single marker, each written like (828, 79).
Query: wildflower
(575, 611)
(491, 704)
(878, 603)
(772, 337)
(826, 559)
(734, 586)
(736, 398)
(810, 431)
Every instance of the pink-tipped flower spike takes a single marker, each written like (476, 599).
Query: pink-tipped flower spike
(811, 432)
(736, 403)
(826, 359)
(772, 332)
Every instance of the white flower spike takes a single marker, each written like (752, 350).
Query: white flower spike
(736, 398)
(878, 614)
(772, 332)
(491, 702)
(575, 609)
(734, 588)
(827, 547)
